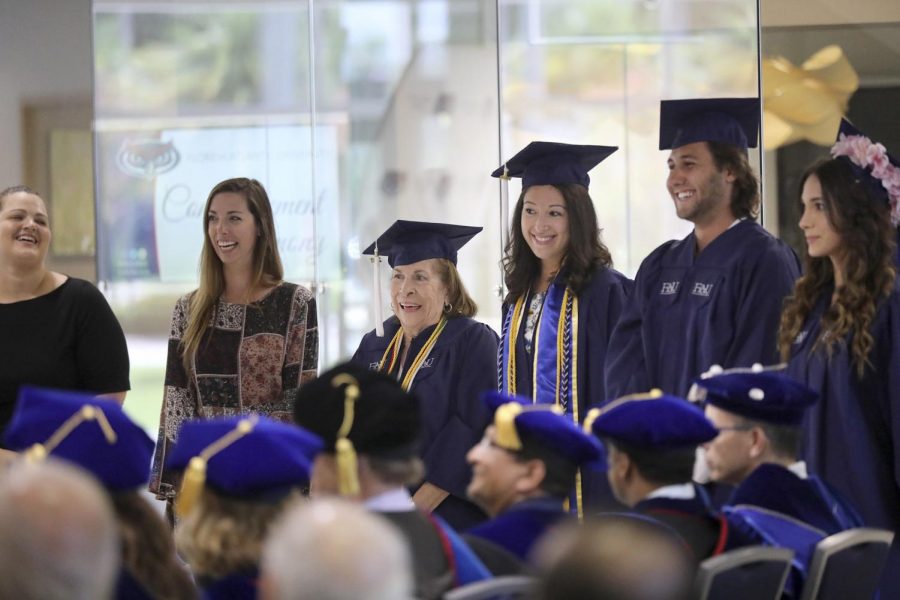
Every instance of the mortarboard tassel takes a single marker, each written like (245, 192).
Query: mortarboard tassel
(504, 208)
(195, 475)
(348, 476)
(376, 285)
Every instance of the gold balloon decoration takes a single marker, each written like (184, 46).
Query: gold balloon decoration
(806, 102)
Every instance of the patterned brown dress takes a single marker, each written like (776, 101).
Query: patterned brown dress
(252, 359)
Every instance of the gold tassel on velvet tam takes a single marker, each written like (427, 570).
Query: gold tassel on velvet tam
(348, 475)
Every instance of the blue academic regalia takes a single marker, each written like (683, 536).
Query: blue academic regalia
(600, 303)
(461, 366)
(689, 312)
(703, 530)
(810, 500)
(519, 527)
(852, 435)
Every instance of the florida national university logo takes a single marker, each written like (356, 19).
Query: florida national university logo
(147, 158)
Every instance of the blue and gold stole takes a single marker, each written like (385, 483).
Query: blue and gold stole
(555, 354)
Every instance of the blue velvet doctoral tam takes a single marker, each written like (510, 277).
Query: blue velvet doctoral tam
(689, 312)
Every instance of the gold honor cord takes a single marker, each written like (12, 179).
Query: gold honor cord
(574, 371)
(394, 347)
(518, 311)
(195, 475)
(88, 412)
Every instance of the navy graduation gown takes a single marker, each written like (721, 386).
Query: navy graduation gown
(519, 527)
(809, 500)
(237, 586)
(687, 312)
(852, 435)
(704, 532)
(462, 365)
(600, 303)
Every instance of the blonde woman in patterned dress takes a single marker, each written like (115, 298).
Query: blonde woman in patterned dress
(245, 340)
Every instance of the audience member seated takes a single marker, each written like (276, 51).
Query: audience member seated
(523, 471)
(651, 442)
(239, 473)
(57, 534)
(97, 436)
(758, 415)
(371, 429)
(348, 553)
(613, 557)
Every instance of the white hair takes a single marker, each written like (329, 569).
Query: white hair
(332, 549)
(58, 536)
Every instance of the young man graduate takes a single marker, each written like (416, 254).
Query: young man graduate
(715, 296)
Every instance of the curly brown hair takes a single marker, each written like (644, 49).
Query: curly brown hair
(745, 193)
(868, 242)
(222, 535)
(585, 254)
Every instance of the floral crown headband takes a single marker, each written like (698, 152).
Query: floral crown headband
(871, 162)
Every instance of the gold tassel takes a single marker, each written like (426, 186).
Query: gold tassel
(348, 474)
(506, 435)
(191, 486)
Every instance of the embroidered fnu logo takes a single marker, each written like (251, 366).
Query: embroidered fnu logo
(373, 366)
(800, 337)
(428, 363)
(147, 158)
(702, 289)
(669, 288)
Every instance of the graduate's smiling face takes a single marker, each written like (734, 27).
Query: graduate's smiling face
(24, 228)
(733, 454)
(698, 188)
(418, 295)
(822, 240)
(545, 223)
(232, 230)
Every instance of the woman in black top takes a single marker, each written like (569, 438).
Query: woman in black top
(58, 331)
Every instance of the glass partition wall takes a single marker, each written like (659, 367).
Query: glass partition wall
(354, 113)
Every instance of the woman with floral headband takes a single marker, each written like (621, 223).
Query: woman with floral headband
(840, 330)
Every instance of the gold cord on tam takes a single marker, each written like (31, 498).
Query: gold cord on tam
(348, 476)
(88, 412)
(594, 413)
(195, 475)
(505, 433)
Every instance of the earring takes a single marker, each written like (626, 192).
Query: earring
(447, 307)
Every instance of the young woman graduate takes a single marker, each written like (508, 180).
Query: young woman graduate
(564, 297)
(840, 329)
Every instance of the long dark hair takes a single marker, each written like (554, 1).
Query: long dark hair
(868, 242)
(585, 254)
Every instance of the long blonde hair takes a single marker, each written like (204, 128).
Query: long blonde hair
(868, 240)
(267, 269)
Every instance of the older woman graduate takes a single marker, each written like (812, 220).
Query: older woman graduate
(436, 350)
(840, 330)
(564, 296)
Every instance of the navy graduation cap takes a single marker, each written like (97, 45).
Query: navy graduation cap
(93, 433)
(733, 121)
(554, 163)
(518, 422)
(242, 457)
(408, 242)
(653, 420)
(767, 396)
